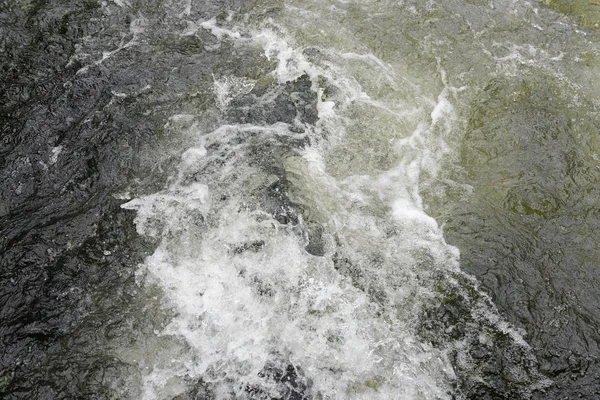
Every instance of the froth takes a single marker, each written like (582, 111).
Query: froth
(249, 299)
(280, 257)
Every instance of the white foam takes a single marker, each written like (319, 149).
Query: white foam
(291, 64)
(403, 210)
(55, 153)
(122, 3)
(311, 315)
(229, 87)
(217, 31)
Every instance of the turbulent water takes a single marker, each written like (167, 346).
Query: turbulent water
(299, 199)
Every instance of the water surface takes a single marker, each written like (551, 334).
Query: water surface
(299, 199)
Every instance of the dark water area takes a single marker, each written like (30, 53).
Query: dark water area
(68, 252)
(88, 91)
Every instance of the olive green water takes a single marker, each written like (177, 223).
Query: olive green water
(585, 12)
(528, 226)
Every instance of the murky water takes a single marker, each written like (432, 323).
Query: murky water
(299, 199)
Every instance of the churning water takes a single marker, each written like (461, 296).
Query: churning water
(300, 199)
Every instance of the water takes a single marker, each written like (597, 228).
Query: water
(299, 200)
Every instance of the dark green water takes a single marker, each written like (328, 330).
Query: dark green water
(299, 200)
